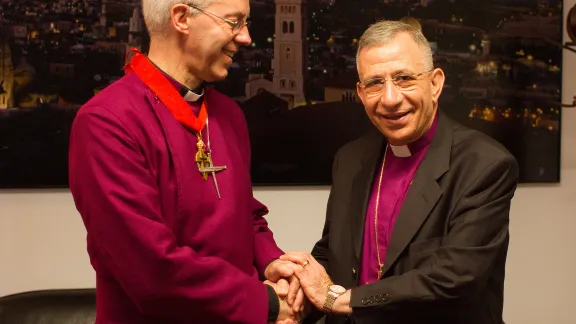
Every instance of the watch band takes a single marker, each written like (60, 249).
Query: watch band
(334, 291)
(329, 302)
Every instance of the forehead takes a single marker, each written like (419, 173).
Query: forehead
(236, 8)
(400, 54)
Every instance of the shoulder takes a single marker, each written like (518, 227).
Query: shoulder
(475, 148)
(122, 99)
(479, 161)
(118, 94)
(221, 98)
(359, 146)
(124, 108)
(224, 104)
(226, 111)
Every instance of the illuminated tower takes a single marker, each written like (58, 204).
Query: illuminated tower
(290, 52)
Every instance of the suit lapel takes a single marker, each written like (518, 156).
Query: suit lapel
(361, 185)
(423, 193)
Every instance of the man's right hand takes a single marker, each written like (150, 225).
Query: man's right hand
(286, 314)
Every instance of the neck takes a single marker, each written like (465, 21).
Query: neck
(168, 56)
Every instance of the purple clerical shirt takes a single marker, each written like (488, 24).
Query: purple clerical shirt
(398, 174)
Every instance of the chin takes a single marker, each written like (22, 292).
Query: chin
(214, 73)
(215, 77)
(399, 137)
(220, 74)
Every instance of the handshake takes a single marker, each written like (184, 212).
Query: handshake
(302, 284)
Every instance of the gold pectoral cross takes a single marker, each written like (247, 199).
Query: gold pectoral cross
(204, 163)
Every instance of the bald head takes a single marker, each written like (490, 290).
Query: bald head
(157, 13)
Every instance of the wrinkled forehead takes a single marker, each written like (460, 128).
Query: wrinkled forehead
(231, 8)
(400, 54)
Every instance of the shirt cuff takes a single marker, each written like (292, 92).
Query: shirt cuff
(273, 305)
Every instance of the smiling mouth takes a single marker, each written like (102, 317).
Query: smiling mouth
(230, 54)
(396, 116)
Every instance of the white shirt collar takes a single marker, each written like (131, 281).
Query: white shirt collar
(191, 96)
(401, 151)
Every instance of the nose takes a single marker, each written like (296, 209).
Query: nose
(243, 37)
(390, 96)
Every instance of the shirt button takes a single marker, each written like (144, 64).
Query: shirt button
(353, 271)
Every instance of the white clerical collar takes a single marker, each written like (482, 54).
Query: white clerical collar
(401, 151)
(192, 96)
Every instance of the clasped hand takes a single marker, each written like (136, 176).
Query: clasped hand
(301, 282)
(280, 275)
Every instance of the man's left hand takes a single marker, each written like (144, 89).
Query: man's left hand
(281, 269)
(315, 281)
(312, 275)
(278, 269)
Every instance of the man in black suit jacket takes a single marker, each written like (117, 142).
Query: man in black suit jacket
(417, 220)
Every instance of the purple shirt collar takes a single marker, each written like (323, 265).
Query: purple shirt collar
(185, 92)
(425, 140)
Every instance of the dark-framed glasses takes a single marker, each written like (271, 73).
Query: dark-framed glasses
(236, 25)
(402, 81)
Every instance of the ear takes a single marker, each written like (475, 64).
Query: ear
(437, 84)
(179, 15)
(360, 92)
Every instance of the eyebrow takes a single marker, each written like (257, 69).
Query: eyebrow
(238, 14)
(396, 72)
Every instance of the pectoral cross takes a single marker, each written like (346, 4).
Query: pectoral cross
(204, 163)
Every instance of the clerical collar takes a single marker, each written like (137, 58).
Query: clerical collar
(185, 92)
(404, 151)
(190, 95)
(401, 151)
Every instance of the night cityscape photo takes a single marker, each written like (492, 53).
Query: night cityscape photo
(296, 82)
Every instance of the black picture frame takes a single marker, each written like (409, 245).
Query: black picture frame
(502, 59)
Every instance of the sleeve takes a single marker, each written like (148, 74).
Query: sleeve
(265, 248)
(118, 198)
(273, 305)
(478, 233)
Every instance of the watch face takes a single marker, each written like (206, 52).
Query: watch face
(337, 289)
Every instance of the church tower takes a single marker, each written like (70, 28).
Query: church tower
(290, 52)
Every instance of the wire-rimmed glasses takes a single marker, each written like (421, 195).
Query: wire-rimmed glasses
(402, 81)
(236, 25)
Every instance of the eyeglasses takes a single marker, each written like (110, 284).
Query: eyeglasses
(402, 81)
(236, 25)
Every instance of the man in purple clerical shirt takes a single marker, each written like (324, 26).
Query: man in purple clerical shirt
(416, 226)
(174, 233)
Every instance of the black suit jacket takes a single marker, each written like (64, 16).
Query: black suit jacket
(447, 254)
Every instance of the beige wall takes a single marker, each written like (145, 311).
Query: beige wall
(42, 243)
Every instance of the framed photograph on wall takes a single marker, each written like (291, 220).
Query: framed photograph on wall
(296, 82)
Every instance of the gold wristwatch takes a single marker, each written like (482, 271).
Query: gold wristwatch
(334, 291)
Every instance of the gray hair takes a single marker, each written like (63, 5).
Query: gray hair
(157, 12)
(384, 31)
